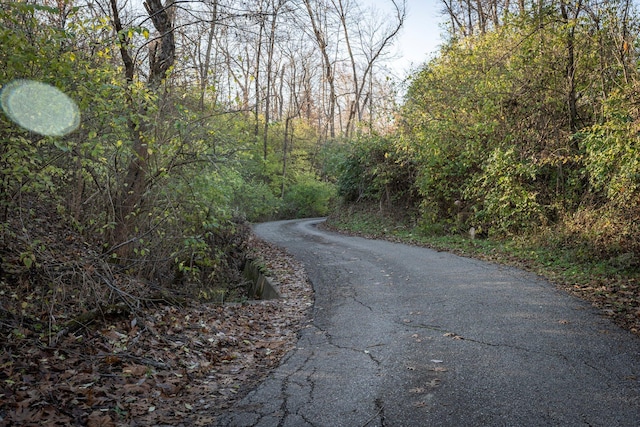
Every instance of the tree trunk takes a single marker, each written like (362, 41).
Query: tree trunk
(354, 73)
(284, 154)
(204, 81)
(267, 97)
(161, 58)
(162, 55)
(571, 63)
(328, 68)
(257, 83)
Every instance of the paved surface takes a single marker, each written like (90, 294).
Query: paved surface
(406, 336)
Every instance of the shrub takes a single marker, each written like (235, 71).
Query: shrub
(308, 197)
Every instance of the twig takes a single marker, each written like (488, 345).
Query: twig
(374, 417)
(142, 360)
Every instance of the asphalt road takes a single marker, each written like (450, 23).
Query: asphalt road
(406, 336)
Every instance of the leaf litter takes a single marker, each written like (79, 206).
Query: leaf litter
(158, 365)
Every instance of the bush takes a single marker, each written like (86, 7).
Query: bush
(602, 234)
(255, 201)
(374, 170)
(506, 198)
(308, 197)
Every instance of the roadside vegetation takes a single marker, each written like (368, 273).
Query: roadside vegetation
(522, 133)
(123, 234)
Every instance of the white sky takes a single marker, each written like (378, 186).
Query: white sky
(420, 37)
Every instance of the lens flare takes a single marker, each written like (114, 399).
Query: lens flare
(40, 107)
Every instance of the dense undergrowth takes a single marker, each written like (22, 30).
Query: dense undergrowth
(611, 284)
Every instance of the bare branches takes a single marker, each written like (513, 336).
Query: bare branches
(162, 54)
(245, 54)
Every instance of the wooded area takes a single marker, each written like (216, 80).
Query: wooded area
(195, 115)
(198, 116)
(525, 123)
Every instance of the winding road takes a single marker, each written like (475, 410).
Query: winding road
(407, 336)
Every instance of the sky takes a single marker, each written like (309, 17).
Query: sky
(420, 37)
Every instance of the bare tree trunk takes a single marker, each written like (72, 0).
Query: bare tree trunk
(204, 78)
(453, 16)
(624, 48)
(257, 82)
(354, 104)
(162, 55)
(284, 154)
(270, 51)
(280, 99)
(328, 67)
(355, 107)
(571, 62)
(494, 14)
(482, 21)
(469, 18)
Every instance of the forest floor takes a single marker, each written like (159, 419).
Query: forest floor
(151, 363)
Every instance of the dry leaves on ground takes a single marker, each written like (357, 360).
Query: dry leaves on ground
(164, 365)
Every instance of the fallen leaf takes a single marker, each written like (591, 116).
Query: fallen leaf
(99, 419)
(452, 335)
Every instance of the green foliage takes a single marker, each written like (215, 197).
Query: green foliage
(372, 169)
(608, 226)
(27, 49)
(186, 205)
(612, 152)
(252, 199)
(504, 190)
(308, 197)
(489, 125)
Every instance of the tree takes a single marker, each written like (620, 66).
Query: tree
(328, 66)
(161, 59)
(372, 45)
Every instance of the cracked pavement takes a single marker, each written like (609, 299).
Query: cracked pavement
(407, 336)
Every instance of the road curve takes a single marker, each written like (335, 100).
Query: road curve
(407, 336)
